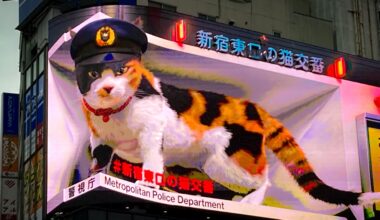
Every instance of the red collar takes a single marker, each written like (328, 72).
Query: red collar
(106, 112)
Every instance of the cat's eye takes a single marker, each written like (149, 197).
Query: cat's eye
(121, 71)
(93, 74)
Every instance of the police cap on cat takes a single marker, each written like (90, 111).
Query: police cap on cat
(108, 39)
(105, 43)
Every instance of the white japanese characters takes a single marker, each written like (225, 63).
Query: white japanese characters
(257, 51)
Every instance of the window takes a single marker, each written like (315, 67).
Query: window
(162, 6)
(28, 77)
(276, 33)
(33, 52)
(35, 71)
(207, 17)
(41, 62)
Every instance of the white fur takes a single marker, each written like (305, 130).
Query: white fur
(257, 197)
(149, 131)
(368, 198)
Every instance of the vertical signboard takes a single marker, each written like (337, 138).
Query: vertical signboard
(27, 127)
(10, 113)
(38, 175)
(10, 152)
(368, 129)
(9, 199)
(33, 120)
(10, 149)
(26, 197)
(32, 186)
(40, 112)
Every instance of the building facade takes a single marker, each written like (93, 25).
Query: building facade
(346, 26)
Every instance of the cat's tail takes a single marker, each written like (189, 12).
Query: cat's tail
(282, 143)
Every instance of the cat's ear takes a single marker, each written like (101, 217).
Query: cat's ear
(139, 22)
(64, 69)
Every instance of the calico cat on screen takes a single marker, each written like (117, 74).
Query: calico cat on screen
(132, 114)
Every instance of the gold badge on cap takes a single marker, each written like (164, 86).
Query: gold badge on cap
(105, 36)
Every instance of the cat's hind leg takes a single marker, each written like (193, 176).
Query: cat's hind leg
(257, 197)
(222, 169)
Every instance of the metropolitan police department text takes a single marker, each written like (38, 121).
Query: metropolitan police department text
(164, 196)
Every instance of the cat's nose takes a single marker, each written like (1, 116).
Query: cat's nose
(108, 89)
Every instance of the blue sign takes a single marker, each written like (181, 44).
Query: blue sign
(10, 113)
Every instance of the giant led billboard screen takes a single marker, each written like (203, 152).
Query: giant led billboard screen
(145, 116)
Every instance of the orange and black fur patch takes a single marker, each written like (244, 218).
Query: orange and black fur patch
(252, 128)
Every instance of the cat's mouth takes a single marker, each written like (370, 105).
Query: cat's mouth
(105, 92)
(110, 102)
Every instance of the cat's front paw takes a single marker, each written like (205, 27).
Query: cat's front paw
(95, 170)
(101, 157)
(148, 184)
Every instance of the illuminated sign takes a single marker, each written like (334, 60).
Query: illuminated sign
(179, 33)
(178, 199)
(338, 68)
(256, 51)
(133, 173)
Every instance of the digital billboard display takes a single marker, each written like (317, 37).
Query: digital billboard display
(130, 110)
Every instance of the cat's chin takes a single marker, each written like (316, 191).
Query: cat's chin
(110, 103)
(105, 102)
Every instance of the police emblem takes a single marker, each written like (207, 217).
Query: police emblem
(105, 36)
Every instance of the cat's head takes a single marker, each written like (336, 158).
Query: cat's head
(105, 53)
(108, 85)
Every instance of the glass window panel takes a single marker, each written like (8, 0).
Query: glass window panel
(35, 71)
(28, 77)
(41, 62)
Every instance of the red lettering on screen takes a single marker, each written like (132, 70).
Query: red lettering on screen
(116, 166)
(137, 173)
(134, 172)
(126, 169)
(184, 183)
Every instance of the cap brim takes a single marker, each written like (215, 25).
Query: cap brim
(109, 57)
